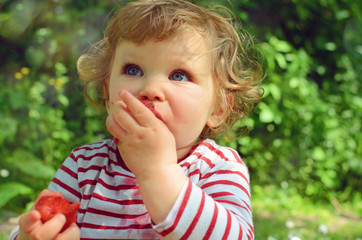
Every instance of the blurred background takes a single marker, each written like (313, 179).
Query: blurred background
(304, 149)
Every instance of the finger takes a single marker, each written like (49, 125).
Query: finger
(140, 112)
(122, 122)
(29, 221)
(50, 229)
(72, 232)
(114, 128)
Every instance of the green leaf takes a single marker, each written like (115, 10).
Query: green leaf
(10, 190)
(60, 69)
(28, 164)
(266, 114)
(275, 91)
(318, 153)
(8, 127)
(281, 60)
(63, 100)
(279, 45)
(36, 57)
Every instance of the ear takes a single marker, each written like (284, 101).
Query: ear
(221, 111)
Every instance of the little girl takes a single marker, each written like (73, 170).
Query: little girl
(162, 177)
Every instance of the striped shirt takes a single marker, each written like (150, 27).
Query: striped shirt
(213, 204)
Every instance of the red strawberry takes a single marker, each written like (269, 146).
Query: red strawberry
(150, 105)
(48, 206)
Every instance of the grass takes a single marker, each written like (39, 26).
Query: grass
(4, 236)
(281, 214)
(5, 226)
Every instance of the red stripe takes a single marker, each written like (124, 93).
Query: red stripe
(250, 229)
(120, 202)
(196, 218)
(226, 182)
(72, 157)
(90, 168)
(227, 172)
(88, 148)
(220, 194)
(88, 158)
(104, 168)
(217, 151)
(250, 237)
(234, 203)
(106, 185)
(247, 205)
(66, 187)
(221, 154)
(133, 226)
(228, 226)
(205, 159)
(182, 209)
(196, 172)
(187, 164)
(243, 219)
(87, 182)
(70, 172)
(240, 232)
(236, 156)
(113, 214)
(212, 224)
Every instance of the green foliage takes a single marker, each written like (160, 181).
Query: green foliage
(42, 108)
(306, 132)
(12, 189)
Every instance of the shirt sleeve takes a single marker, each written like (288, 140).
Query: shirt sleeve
(216, 207)
(14, 234)
(66, 180)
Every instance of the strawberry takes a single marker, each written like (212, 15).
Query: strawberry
(48, 206)
(149, 105)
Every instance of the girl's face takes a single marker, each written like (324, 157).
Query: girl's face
(174, 74)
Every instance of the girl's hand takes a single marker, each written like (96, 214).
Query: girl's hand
(31, 226)
(145, 143)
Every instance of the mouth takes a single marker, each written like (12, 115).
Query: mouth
(158, 116)
(151, 106)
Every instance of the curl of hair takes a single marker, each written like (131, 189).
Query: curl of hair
(237, 67)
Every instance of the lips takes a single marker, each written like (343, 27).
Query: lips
(151, 106)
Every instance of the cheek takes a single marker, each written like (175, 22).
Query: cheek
(192, 110)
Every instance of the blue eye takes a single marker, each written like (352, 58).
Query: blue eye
(132, 70)
(180, 76)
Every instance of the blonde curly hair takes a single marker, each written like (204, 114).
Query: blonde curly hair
(237, 68)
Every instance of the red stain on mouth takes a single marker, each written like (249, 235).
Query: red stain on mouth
(149, 105)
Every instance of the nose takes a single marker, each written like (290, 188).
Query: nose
(152, 91)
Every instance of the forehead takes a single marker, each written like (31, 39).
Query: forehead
(187, 45)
